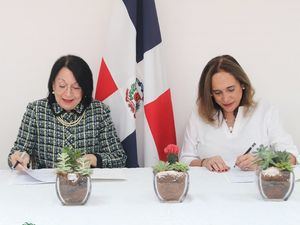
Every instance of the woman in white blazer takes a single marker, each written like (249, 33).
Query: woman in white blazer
(227, 121)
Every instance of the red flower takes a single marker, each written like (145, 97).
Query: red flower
(171, 149)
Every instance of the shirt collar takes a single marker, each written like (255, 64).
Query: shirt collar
(219, 114)
(59, 110)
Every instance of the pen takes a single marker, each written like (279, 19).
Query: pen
(248, 150)
(18, 162)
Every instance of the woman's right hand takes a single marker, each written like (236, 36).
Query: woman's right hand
(17, 157)
(215, 163)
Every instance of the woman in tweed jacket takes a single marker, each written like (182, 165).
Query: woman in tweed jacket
(69, 116)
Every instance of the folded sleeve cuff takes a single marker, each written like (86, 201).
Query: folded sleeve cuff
(99, 161)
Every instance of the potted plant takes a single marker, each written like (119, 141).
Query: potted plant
(171, 180)
(275, 176)
(73, 181)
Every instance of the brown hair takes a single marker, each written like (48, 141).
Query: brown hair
(207, 107)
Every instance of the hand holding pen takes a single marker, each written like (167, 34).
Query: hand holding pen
(246, 161)
(19, 160)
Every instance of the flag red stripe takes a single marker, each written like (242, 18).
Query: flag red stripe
(159, 114)
(105, 85)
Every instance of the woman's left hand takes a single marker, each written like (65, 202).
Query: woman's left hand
(246, 162)
(92, 159)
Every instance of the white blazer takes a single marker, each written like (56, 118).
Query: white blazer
(262, 126)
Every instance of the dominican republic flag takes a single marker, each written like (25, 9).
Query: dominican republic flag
(132, 82)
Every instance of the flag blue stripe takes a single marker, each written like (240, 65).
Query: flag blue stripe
(129, 145)
(144, 17)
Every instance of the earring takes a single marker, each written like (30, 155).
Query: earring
(53, 92)
(243, 88)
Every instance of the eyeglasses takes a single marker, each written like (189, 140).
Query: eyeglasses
(62, 88)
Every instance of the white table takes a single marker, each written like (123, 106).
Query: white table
(212, 200)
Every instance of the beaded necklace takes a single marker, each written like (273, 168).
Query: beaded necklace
(70, 124)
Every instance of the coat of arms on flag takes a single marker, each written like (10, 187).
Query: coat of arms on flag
(135, 96)
(132, 82)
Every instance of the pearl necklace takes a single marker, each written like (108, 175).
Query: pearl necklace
(70, 124)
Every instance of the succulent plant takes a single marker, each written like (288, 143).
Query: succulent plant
(268, 157)
(172, 163)
(72, 161)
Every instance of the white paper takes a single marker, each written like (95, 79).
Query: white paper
(43, 175)
(3, 172)
(40, 176)
(235, 175)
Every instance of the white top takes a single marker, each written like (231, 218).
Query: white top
(261, 126)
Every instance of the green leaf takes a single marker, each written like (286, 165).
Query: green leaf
(72, 161)
(268, 157)
(166, 166)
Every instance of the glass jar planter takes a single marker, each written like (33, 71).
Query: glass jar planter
(171, 186)
(73, 189)
(276, 187)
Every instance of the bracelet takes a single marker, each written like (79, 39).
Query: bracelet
(201, 162)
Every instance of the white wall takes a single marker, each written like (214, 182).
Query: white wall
(264, 36)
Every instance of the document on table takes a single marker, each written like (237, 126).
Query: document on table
(235, 175)
(40, 176)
